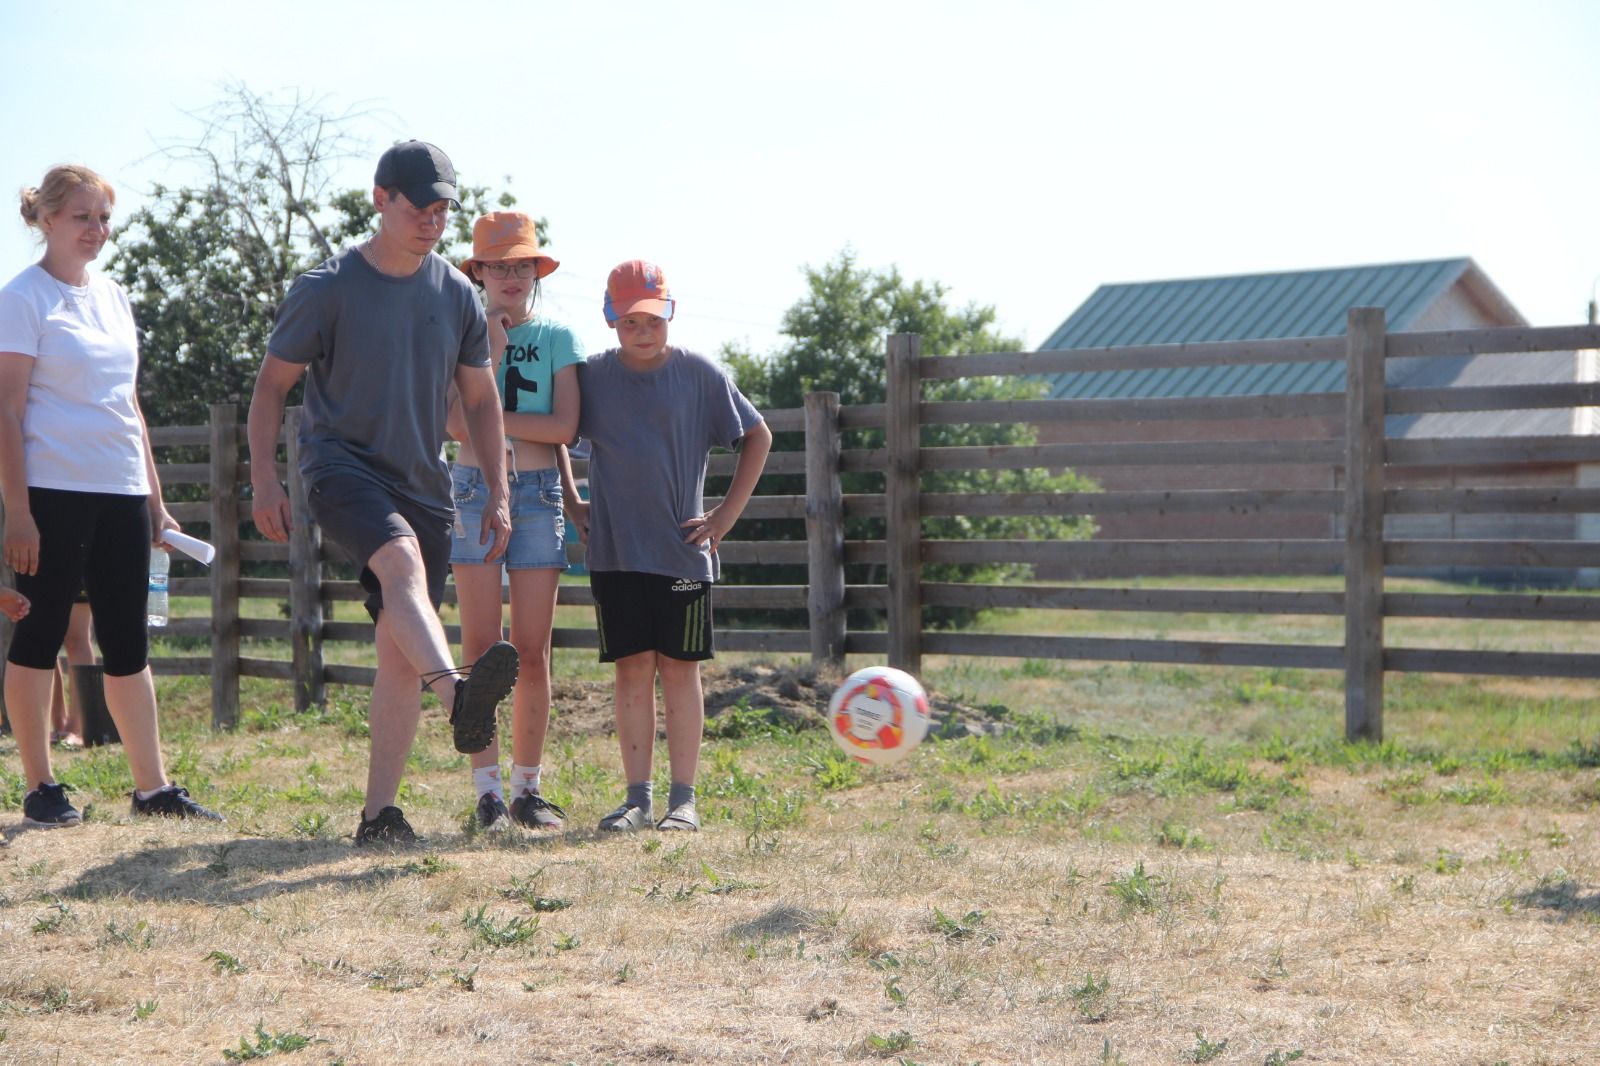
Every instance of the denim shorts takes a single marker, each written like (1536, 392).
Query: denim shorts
(538, 528)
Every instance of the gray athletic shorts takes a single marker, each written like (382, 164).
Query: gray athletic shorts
(361, 516)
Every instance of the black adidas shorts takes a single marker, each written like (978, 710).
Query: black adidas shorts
(637, 612)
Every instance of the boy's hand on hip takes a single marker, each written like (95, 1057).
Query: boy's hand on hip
(705, 531)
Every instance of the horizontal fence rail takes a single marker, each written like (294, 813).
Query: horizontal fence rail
(1430, 344)
(855, 567)
(1143, 357)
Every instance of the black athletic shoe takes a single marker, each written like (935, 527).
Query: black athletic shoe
(536, 812)
(492, 813)
(389, 827)
(472, 719)
(173, 802)
(47, 806)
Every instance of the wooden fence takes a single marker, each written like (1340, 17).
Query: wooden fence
(828, 599)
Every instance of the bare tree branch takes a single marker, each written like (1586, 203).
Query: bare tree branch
(250, 141)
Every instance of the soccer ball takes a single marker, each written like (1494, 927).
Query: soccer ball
(878, 715)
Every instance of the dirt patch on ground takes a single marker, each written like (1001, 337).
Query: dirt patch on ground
(791, 697)
(580, 708)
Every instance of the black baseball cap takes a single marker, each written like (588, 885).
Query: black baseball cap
(421, 171)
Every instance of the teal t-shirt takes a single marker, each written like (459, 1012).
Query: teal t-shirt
(535, 350)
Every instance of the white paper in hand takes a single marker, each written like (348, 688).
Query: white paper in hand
(193, 547)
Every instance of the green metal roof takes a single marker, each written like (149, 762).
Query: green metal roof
(1304, 303)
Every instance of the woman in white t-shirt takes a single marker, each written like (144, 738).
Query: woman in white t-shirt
(82, 502)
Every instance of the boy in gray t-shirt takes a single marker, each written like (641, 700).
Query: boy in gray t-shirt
(652, 414)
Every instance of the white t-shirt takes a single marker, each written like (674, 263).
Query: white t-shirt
(80, 430)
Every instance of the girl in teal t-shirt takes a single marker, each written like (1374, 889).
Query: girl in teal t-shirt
(536, 365)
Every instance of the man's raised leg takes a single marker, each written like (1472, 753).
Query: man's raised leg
(413, 624)
(416, 633)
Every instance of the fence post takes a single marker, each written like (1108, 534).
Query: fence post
(225, 567)
(305, 577)
(1363, 529)
(902, 495)
(824, 529)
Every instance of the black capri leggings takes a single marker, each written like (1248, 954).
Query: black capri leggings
(98, 542)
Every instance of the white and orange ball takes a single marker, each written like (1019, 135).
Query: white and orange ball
(878, 715)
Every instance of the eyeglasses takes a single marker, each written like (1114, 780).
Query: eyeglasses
(501, 271)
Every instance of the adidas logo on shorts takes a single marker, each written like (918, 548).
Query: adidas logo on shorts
(683, 584)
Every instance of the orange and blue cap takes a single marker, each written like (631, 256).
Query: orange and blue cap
(637, 287)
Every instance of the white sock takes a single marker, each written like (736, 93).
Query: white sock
(143, 795)
(524, 779)
(487, 780)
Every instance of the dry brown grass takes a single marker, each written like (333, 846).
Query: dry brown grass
(995, 900)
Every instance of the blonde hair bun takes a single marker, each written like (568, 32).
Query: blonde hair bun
(60, 182)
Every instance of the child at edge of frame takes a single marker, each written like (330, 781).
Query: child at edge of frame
(652, 412)
(13, 605)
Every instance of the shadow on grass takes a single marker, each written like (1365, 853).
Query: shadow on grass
(1563, 898)
(244, 870)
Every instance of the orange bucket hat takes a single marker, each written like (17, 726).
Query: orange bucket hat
(507, 235)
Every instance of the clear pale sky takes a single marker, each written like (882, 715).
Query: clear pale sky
(1020, 153)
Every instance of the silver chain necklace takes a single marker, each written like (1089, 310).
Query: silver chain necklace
(69, 294)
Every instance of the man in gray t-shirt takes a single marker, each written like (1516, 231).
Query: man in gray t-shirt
(379, 353)
(381, 332)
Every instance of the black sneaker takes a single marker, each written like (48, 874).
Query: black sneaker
(536, 812)
(47, 806)
(389, 827)
(492, 813)
(472, 719)
(173, 802)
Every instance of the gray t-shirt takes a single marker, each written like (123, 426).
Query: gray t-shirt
(382, 352)
(650, 434)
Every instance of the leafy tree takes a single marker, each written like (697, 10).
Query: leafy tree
(206, 265)
(836, 340)
(203, 296)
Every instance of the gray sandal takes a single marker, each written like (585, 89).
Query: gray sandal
(625, 819)
(683, 817)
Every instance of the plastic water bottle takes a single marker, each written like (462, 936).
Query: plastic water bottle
(156, 612)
